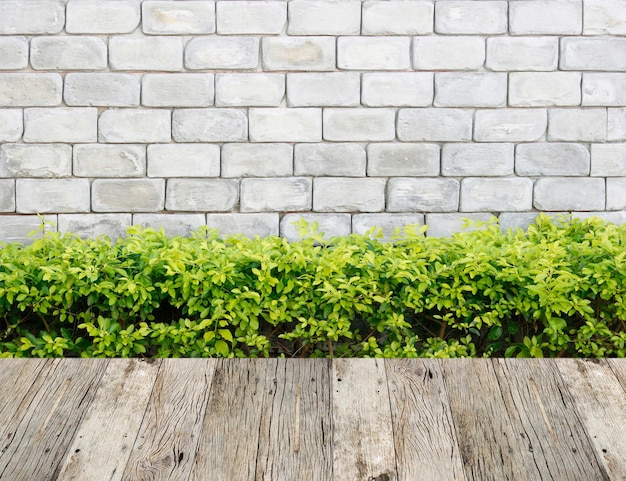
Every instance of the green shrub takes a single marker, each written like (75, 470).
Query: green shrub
(558, 289)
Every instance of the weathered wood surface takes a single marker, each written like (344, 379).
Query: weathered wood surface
(300, 420)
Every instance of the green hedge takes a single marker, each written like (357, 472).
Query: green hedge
(557, 289)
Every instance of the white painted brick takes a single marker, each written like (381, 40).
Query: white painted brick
(475, 89)
(102, 16)
(616, 124)
(335, 159)
(510, 125)
(285, 125)
(547, 17)
(183, 160)
(324, 17)
(403, 159)
(569, 193)
(616, 193)
(128, 195)
(101, 89)
(91, 226)
(544, 89)
(374, 53)
(243, 17)
(30, 90)
(63, 124)
(248, 225)
(298, 53)
(422, 195)
(249, 89)
(480, 194)
(222, 53)
(42, 196)
(98, 160)
(404, 89)
(332, 89)
(7, 197)
(604, 17)
(397, 18)
(146, 53)
(448, 53)
(257, 160)
(11, 125)
(604, 89)
(276, 195)
(178, 18)
(593, 54)
(16, 228)
(460, 160)
(172, 224)
(212, 195)
(178, 90)
(340, 194)
(134, 125)
(577, 125)
(608, 160)
(13, 53)
(68, 53)
(477, 17)
(347, 124)
(41, 160)
(434, 125)
(547, 158)
(446, 225)
(32, 17)
(331, 225)
(389, 223)
(522, 53)
(209, 125)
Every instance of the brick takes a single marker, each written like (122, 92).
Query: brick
(146, 53)
(173, 224)
(338, 194)
(477, 17)
(483, 89)
(611, 217)
(68, 53)
(42, 196)
(510, 125)
(248, 225)
(374, 53)
(616, 125)
(331, 225)
(134, 125)
(446, 225)
(222, 53)
(42, 160)
(98, 160)
(243, 17)
(461, 160)
(178, 18)
(209, 125)
(333, 89)
(101, 89)
(32, 17)
(545, 17)
(17, 228)
(577, 125)
(337, 159)
(178, 90)
(285, 125)
(390, 224)
(183, 160)
(324, 17)
(604, 17)
(128, 195)
(397, 18)
(252, 160)
(63, 124)
(298, 53)
(569, 193)
(422, 195)
(30, 90)
(249, 90)
(517, 220)
(522, 53)
(11, 125)
(403, 159)
(404, 89)
(593, 54)
(496, 194)
(346, 124)
(13, 53)
(547, 158)
(616, 193)
(102, 16)
(608, 160)
(7, 196)
(448, 53)
(434, 125)
(276, 195)
(213, 195)
(91, 226)
(544, 89)
(604, 89)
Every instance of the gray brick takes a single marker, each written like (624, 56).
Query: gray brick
(397, 18)
(616, 193)
(102, 16)
(42, 196)
(496, 194)
(569, 193)
(42, 160)
(134, 125)
(346, 124)
(29, 90)
(332, 89)
(257, 160)
(608, 160)
(68, 53)
(298, 53)
(616, 125)
(184, 160)
(604, 89)
(128, 195)
(445, 225)
(7, 196)
(604, 17)
(249, 90)
(477, 17)
(276, 195)
(389, 223)
(178, 90)
(593, 54)
(32, 17)
(209, 125)
(522, 53)
(222, 53)
(475, 89)
(178, 18)
(212, 195)
(448, 53)
(91, 226)
(340, 194)
(422, 195)
(335, 159)
(101, 89)
(548, 89)
(173, 224)
(243, 17)
(285, 125)
(11, 125)
(64, 124)
(248, 225)
(618, 217)
(146, 53)
(460, 160)
(560, 158)
(510, 125)
(403, 159)
(547, 17)
(517, 220)
(331, 225)
(98, 160)
(324, 17)
(577, 125)
(434, 125)
(374, 53)
(17, 228)
(13, 53)
(404, 89)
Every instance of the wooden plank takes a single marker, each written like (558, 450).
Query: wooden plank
(168, 438)
(296, 422)
(425, 437)
(102, 445)
(618, 366)
(363, 446)
(601, 401)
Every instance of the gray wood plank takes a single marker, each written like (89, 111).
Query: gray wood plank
(618, 366)
(425, 437)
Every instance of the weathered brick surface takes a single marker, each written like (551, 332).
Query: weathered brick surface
(552, 158)
(101, 89)
(114, 160)
(522, 53)
(30, 90)
(201, 194)
(404, 89)
(222, 53)
(172, 224)
(604, 89)
(298, 53)
(68, 53)
(569, 193)
(616, 124)
(70, 124)
(331, 225)
(616, 193)
(324, 17)
(17, 228)
(249, 225)
(389, 223)
(608, 160)
(7, 195)
(332, 89)
(472, 160)
(209, 125)
(397, 18)
(373, 53)
(13, 53)
(438, 125)
(544, 89)
(244, 17)
(581, 125)
(479, 194)
(183, 160)
(604, 17)
(448, 53)
(42, 196)
(406, 194)
(593, 53)
(257, 160)
(476, 17)
(403, 160)
(510, 125)
(178, 18)
(444, 225)
(249, 90)
(101, 16)
(36, 160)
(285, 125)
(146, 53)
(359, 124)
(127, 195)
(11, 125)
(178, 90)
(338, 194)
(276, 195)
(94, 225)
(336, 159)
(470, 89)
(134, 125)
(33, 17)
(547, 17)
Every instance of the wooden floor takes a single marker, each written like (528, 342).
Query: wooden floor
(297, 420)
